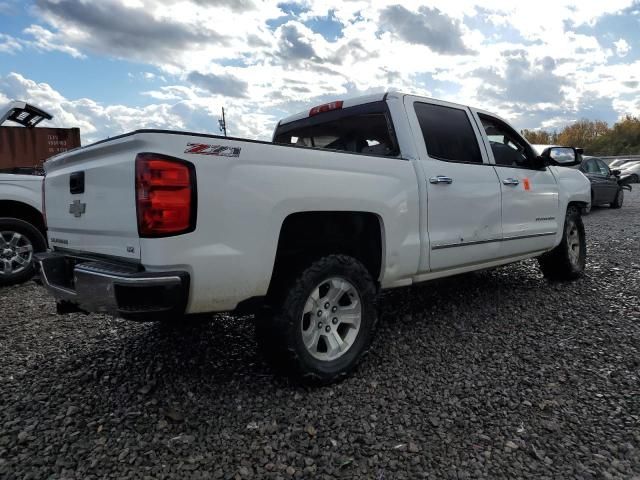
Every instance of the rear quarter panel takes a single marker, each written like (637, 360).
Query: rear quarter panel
(244, 200)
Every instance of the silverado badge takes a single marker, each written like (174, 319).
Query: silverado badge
(77, 208)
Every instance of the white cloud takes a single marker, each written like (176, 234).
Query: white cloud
(622, 47)
(209, 54)
(9, 44)
(96, 121)
(47, 41)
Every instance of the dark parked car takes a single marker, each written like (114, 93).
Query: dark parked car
(606, 186)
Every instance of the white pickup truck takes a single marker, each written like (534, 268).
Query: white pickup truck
(350, 197)
(22, 229)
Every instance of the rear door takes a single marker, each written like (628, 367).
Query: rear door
(461, 211)
(530, 203)
(90, 200)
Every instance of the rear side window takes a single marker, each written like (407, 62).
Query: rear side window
(447, 133)
(357, 130)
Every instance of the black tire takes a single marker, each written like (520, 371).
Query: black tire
(617, 202)
(279, 328)
(34, 237)
(559, 263)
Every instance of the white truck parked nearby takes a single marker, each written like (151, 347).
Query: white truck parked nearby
(22, 229)
(350, 197)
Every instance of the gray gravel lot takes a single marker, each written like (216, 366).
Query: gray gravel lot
(497, 374)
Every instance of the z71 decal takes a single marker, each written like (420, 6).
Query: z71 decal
(217, 150)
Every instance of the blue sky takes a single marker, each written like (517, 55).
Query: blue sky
(117, 65)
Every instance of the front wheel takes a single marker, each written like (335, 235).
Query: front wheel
(567, 260)
(19, 240)
(617, 202)
(324, 323)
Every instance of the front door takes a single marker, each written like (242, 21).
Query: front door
(530, 203)
(599, 189)
(462, 211)
(609, 182)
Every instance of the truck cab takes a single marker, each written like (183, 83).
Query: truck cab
(485, 192)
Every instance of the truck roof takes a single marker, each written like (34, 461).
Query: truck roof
(350, 102)
(354, 101)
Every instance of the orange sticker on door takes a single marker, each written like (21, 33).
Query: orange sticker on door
(526, 184)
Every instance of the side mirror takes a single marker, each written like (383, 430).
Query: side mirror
(561, 156)
(616, 173)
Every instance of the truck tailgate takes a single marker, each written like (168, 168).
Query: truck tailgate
(90, 199)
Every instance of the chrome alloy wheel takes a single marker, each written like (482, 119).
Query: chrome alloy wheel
(573, 242)
(16, 253)
(331, 319)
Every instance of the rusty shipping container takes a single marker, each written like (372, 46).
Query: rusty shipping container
(22, 147)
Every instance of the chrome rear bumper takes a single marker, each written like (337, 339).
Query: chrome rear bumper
(92, 285)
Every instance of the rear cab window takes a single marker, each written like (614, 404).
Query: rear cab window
(364, 129)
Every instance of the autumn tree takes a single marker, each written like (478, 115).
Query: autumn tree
(594, 136)
(582, 133)
(539, 137)
(622, 139)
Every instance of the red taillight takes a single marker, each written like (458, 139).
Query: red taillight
(327, 107)
(165, 195)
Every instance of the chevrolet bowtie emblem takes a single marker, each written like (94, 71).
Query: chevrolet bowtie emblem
(77, 208)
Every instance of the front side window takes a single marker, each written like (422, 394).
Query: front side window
(591, 166)
(448, 134)
(508, 148)
(603, 169)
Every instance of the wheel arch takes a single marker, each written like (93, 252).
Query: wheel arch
(307, 236)
(25, 212)
(580, 205)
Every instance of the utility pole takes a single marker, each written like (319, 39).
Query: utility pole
(223, 124)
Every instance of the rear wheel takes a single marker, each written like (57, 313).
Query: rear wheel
(567, 260)
(324, 322)
(19, 240)
(617, 202)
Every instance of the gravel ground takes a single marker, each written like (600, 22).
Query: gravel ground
(497, 374)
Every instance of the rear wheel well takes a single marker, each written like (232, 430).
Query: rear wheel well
(22, 211)
(581, 206)
(308, 236)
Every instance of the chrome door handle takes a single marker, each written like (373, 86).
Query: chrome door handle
(441, 179)
(511, 181)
